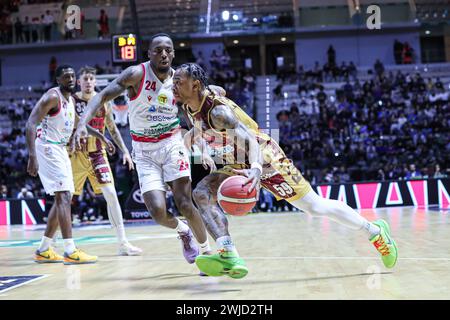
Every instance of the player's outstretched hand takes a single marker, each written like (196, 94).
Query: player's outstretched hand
(33, 166)
(208, 162)
(110, 148)
(127, 160)
(80, 134)
(253, 177)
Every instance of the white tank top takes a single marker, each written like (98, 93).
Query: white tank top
(58, 127)
(153, 112)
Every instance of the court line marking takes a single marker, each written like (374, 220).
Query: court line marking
(344, 258)
(23, 283)
(297, 258)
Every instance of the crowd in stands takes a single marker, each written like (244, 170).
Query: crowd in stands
(239, 83)
(39, 28)
(393, 126)
(14, 29)
(13, 151)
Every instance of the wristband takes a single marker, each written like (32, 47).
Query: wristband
(257, 166)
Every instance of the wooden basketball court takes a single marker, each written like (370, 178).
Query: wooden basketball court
(289, 255)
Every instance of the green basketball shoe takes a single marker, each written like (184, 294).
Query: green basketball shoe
(385, 244)
(223, 262)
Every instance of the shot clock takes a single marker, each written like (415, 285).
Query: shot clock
(124, 48)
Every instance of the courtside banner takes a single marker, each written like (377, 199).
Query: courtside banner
(135, 207)
(417, 193)
(18, 211)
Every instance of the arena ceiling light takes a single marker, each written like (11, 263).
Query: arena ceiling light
(255, 20)
(283, 39)
(182, 44)
(226, 15)
(235, 17)
(427, 32)
(235, 41)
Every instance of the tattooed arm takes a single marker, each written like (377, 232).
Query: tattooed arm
(223, 118)
(129, 78)
(117, 137)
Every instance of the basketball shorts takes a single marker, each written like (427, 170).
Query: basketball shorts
(55, 170)
(93, 166)
(279, 175)
(160, 162)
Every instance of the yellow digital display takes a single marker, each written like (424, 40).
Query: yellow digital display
(124, 48)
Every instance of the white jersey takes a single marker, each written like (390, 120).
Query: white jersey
(58, 127)
(153, 113)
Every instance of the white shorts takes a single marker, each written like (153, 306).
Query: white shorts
(55, 170)
(161, 162)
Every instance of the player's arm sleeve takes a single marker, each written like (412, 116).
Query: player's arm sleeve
(223, 118)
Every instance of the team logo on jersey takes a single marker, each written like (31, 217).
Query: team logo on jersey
(149, 98)
(162, 98)
(164, 109)
(184, 165)
(152, 109)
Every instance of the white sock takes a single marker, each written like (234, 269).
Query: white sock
(121, 237)
(69, 246)
(114, 212)
(371, 229)
(226, 243)
(45, 244)
(181, 227)
(335, 210)
(204, 247)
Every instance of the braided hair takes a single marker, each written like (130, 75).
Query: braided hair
(195, 72)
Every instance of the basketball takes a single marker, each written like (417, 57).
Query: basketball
(234, 198)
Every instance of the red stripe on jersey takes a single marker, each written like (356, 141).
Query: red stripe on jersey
(59, 106)
(150, 139)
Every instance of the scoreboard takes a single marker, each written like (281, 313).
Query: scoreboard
(124, 49)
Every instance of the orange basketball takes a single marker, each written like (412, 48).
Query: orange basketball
(234, 198)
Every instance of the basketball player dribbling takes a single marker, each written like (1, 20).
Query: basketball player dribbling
(159, 152)
(48, 131)
(219, 122)
(91, 162)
